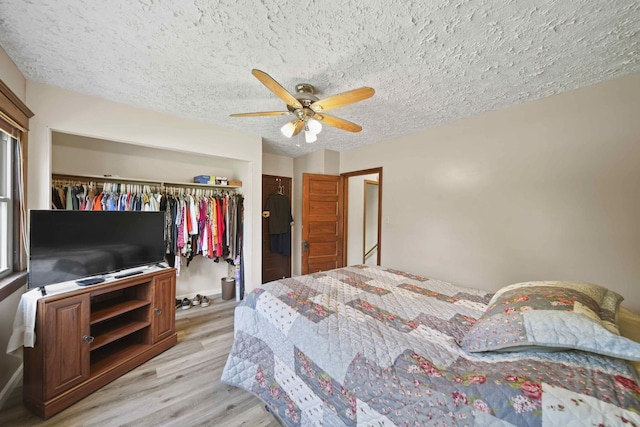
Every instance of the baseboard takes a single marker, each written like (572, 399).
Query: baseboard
(13, 382)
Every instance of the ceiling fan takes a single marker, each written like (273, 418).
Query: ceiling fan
(308, 109)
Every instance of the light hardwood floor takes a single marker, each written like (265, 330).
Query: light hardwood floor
(180, 387)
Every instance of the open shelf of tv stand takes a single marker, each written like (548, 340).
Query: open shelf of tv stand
(122, 330)
(104, 364)
(88, 337)
(100, 314)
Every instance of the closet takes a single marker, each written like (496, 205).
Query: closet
(79, 157)
(201, 219)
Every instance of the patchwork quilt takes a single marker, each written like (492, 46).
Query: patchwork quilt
(366, 345)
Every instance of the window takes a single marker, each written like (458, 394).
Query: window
(7, 145)
(14, 125)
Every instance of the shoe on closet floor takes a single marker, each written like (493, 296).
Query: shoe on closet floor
(196, 300)
(204, 302)
(178, 303)
(186, 304)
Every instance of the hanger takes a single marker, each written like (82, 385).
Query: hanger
(280, 187)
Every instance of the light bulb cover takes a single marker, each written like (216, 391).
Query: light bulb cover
(314, 126)
(310, 136)
(288, 128)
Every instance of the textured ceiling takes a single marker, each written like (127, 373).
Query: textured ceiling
(430, 62)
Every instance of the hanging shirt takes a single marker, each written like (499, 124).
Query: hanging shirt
(193, 217)
(97, 202)
(279, 210)
(180, 225)
(220, 219)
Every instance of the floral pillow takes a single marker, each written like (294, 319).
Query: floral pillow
(546, 316)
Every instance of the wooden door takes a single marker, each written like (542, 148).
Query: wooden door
(164, 297)
(322, 225)
(66, 343)
(274, 265)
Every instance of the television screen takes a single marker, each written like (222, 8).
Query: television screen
(68, 245)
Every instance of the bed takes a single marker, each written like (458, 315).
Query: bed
(366, 345)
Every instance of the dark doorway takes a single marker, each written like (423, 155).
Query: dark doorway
(274, 265)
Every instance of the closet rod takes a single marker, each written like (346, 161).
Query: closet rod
(118, 179)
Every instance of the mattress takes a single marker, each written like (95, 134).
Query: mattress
(367, 345)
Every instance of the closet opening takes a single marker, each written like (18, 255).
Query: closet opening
(135, 167)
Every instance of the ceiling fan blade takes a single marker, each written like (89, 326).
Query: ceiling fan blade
(264, 113)
(342, 99)
(337, 122)
(275, 87)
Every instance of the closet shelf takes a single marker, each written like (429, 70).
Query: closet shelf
(119, 179)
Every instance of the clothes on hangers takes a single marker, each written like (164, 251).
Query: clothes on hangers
(56, 201)
(195, 224)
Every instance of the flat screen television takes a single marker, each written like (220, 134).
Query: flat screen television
(69, 245)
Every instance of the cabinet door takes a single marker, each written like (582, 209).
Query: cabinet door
(164, 316)
(66, 343)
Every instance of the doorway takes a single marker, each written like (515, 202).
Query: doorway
(275, 265)
(370, 220)
(362, 217)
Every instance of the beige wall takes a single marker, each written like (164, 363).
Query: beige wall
(273, 164)
(544, 190)
(68, 112)
(11, 76)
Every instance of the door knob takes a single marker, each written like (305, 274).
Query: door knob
(305, 246)
(88, 339)
(158, 311)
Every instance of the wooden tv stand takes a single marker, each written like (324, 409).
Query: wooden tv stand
(89, 337)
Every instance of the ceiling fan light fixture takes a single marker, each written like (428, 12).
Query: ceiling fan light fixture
(288, 128)
(305, 105)
(310, 137)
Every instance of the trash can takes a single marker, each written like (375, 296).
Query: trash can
(228, 288)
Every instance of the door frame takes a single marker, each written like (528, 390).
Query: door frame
(345, 216)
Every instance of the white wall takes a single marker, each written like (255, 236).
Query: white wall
(273, 164)
(63, 111)
(544, 190)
